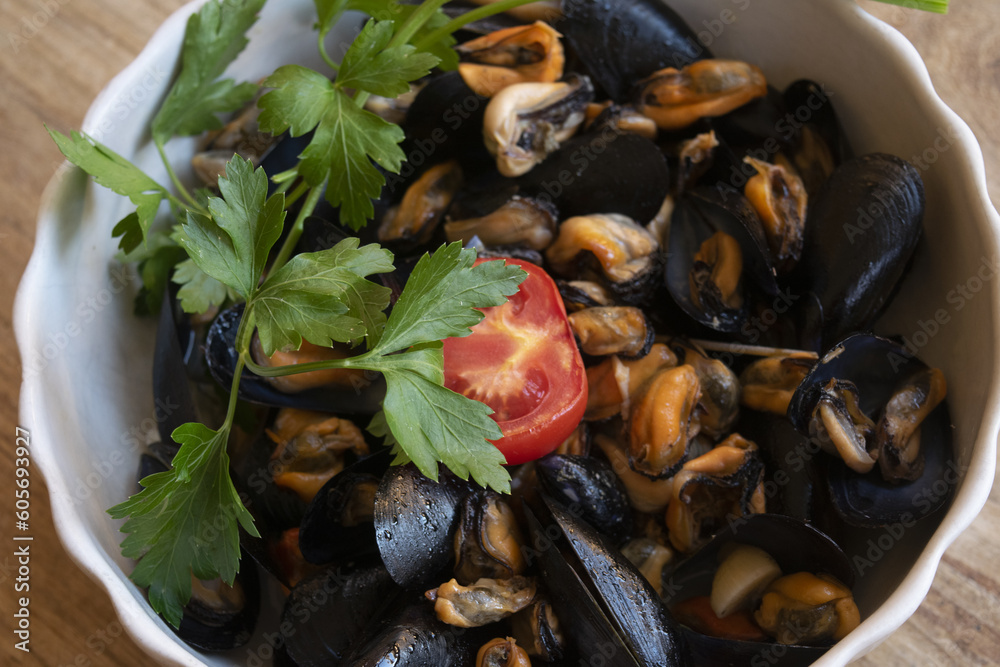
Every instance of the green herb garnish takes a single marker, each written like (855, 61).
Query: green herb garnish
(219, 249)
(937, 6)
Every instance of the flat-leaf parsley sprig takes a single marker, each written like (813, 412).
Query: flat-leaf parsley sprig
(221, 248)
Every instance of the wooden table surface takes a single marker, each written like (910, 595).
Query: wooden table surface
(55, 55)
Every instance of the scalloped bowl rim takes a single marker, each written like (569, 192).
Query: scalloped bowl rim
(152, 634)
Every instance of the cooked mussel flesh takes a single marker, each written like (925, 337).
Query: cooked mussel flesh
(676, 99)
(520, 54)
(614, 382)
(662, 421)
(310, 448)
(726, 482)
(525, 122)
(423, 206)
(488, 540)
(609, 248)
(781, 202)
(501, 652)
(483, 602)
(606, 330)
(897, 435)
(521, 222)
(768, 383)
(806, 608)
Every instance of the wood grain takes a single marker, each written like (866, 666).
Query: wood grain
(55, 55)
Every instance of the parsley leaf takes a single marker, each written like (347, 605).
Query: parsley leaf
(233, 245)
(199, 291)
(324, 297)
(442, 294)
(156, 259)
(213, 38)
(370, 66)
(346, 139)
(427, 422)
(431, 423)
(122, 177)
(182, 522)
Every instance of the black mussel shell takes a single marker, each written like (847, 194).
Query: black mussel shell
(602, 173)
(607, 606)
(322, 536)
(221, 356)
(326, 612)
(795, 545)
(698, 215)
(877, 366)
(412, 636)
(206, 628)
(808, 103)
(590, 489)
(755, 128)
(620, 43)
(444, 122)
(415, 522)
(793, 480)
(175, 342)
(860, 234)
(275, 508)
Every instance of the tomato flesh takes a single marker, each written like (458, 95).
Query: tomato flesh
(523, 362)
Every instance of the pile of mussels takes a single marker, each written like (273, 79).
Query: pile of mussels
(686, 207)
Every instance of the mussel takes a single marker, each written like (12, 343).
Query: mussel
(860, 233)
(363, 396)
(870, 378)
(620, 43)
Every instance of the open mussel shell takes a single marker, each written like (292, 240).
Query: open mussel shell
(415, 522)
(326, 534)
(219, 622)
(222, 357)
(698, 215)
(326, 612)
(607, 606)
(795, 545)
(859, 236)
(877, 366)
(602, 173)
(620, 43)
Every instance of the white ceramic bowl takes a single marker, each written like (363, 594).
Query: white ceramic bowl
(86, 394)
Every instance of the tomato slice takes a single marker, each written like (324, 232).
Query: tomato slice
(523, 362)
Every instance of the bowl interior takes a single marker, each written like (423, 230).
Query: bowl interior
(86, 358)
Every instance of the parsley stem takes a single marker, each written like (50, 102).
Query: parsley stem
(177, 181)
(296, 193)
(416, 21)
(296, 231)
(936, 6)
(282, 371)
(458, 22)
(322, 52)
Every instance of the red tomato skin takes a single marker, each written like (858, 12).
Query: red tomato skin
(528, 342)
